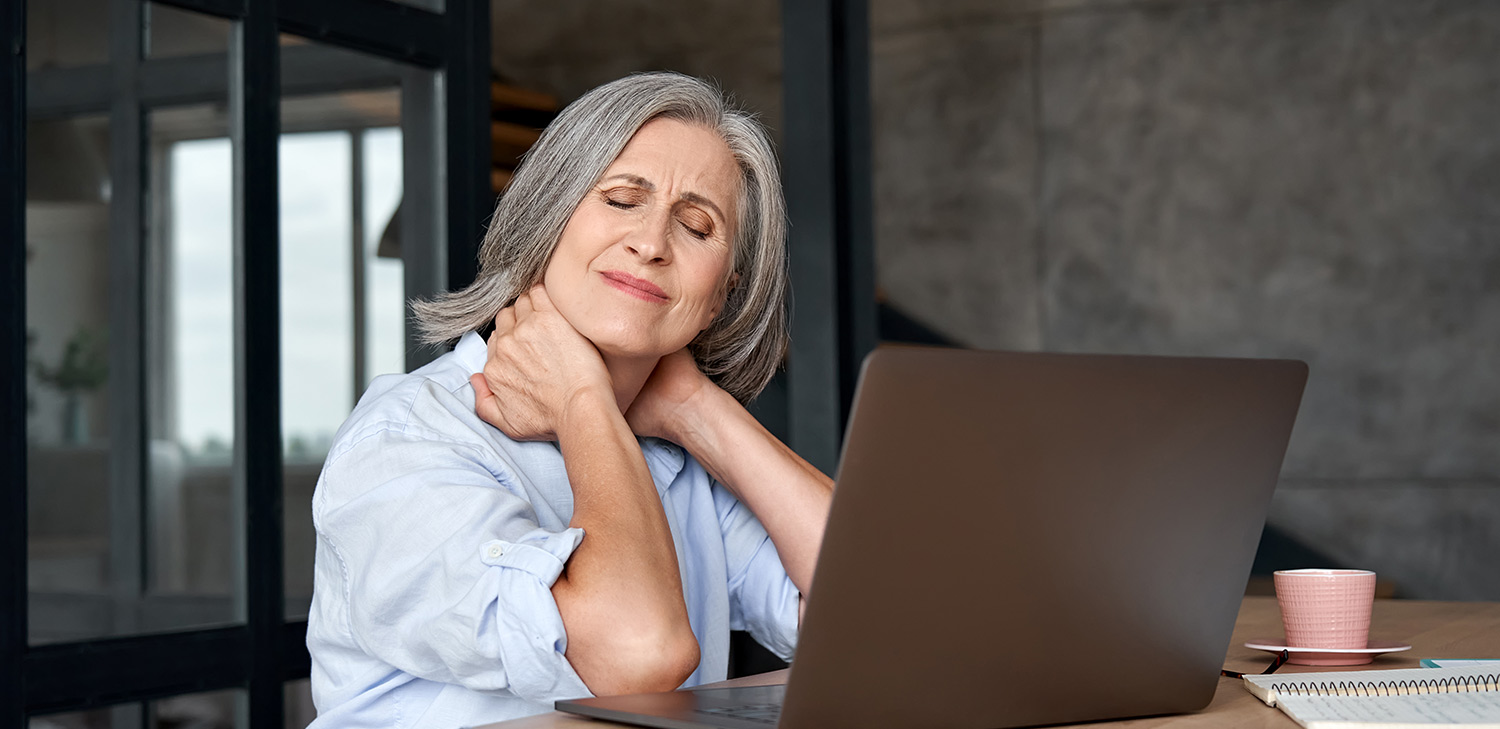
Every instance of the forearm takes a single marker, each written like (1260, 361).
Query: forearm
(788, 495)
(621, 595)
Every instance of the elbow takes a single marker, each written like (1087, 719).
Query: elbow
(648, 663)
(671, 661)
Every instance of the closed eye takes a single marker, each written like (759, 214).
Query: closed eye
(623, 197)
(695, 222)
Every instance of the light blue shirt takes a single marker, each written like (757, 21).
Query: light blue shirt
(439, 539)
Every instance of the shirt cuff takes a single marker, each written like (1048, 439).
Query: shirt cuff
(768, 601)
(539, 553)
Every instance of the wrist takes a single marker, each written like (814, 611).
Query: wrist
(693, 424)
(585, 406)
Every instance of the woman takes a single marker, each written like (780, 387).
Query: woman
(518, 522)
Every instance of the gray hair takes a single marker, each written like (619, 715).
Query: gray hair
(743, 346)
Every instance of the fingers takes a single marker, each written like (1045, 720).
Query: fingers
(539, 299)
(482, 390)
(505, 321)
(523, 306)
(484, 400)
(487, 407)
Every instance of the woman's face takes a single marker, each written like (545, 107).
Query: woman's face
(643, 264)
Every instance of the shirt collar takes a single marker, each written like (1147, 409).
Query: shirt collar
(670, 454)
(664, 460)
(471, 352)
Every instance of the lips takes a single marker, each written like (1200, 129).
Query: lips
(638, 287)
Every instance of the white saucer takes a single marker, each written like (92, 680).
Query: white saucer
(1328, 656)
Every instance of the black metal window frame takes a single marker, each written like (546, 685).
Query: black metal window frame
(356, 134)
(827, 179)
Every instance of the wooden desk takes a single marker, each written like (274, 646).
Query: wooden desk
(1434, 630)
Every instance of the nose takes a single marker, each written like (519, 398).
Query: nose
(652, 241)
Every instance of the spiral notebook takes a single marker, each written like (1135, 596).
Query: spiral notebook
(1466, 696)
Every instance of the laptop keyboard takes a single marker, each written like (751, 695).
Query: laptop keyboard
(759, 713)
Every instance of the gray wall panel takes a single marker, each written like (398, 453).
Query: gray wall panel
(956, 161)
(1269, 179)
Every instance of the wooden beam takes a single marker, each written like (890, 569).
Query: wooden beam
(505, 96)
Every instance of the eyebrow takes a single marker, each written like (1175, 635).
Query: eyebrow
(650, 186)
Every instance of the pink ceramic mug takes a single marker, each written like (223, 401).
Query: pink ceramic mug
(1326, 608)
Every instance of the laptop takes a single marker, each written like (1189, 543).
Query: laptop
(1020, 539)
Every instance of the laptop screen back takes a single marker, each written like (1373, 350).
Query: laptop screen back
(1025, 538)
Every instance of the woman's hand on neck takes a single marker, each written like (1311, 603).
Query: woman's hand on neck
(537, 366)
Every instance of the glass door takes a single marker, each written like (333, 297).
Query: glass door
(224, 208)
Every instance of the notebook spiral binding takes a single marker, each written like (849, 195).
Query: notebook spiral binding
(1448, 685)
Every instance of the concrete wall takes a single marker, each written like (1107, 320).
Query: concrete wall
(1317, 179)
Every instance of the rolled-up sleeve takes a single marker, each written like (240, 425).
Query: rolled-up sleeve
(762, 598)
(447, 574)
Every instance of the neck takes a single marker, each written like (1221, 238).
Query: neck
(628, 375)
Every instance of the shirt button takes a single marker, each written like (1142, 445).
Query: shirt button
(495, 551)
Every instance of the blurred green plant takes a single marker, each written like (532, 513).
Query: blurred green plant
(84, 365)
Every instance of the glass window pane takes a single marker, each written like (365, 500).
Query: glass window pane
(201, 282)
(298, 703)
(125, 716)
(435, 6)
(69, 525)
(343, 315)
(317, 357)
(192, 514)
(385, 303)
(113, 552)
(66, 34)
(209, 710)
(173, 32)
